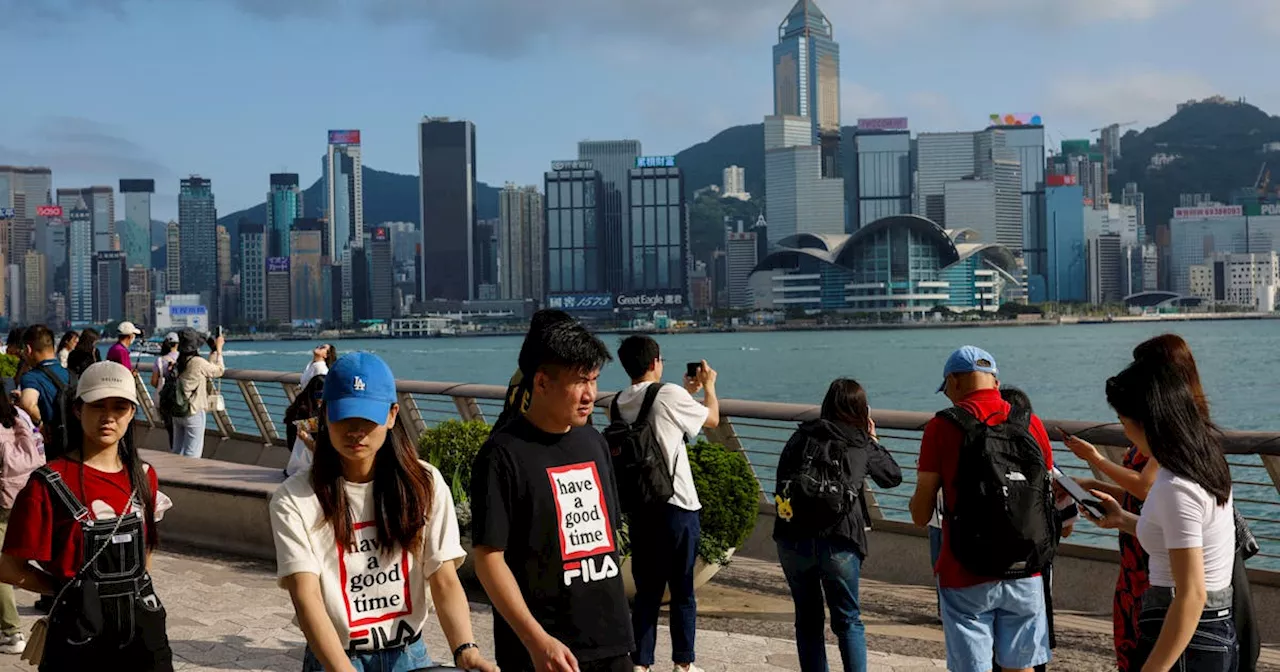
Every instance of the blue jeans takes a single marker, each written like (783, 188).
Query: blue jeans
(813, 568)
(1213, 647)
(401, 659)
(935, 550)
(188, 435)
(664, 547)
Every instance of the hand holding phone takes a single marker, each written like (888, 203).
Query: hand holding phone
(1082, 497)
(691, 370)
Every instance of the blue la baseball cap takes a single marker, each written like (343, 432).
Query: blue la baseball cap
(968, 359)
(359, 385)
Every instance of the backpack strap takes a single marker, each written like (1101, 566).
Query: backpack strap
(966, 421)
(63, 493)
(57, 384)
(650, 396)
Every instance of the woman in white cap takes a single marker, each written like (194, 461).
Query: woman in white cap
(101, 496)
(367, 539)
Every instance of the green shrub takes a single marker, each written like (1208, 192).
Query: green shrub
(730, 497)
(451, 446)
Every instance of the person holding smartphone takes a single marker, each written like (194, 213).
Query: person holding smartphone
(194, 374)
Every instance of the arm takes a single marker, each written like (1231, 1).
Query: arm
(1135, 483)
(882, 468)
(21, 574)
(705, 381)
(455, 616)
(30, 402)
(925, 498)
(547, 652)
(308, 604)
(1184, 614)
(155, 374)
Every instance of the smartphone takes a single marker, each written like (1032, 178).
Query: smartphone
(217, 331)
(1083, 497)
(1065, 434)
(692, 368)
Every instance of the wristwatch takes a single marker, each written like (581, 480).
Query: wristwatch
(463, 647)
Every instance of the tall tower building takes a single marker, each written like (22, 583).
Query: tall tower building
(522, 234)
(382, 286)
(26, 190)
(173, 259)
(447, 207)
(101, 202)
(613, 159)
(344, 192)
(109, 286)
(253, 272)
(137, 297)
(224, 256)
(941, 158)
(305, 267)
(797, 197)
(35, 266)
(1026, 141)
(882, 177)
(198, 224)
(80, 256)
(573, 263)
(135, 240)
(806, 78)
(284, 204)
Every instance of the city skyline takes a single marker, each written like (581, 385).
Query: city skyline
(706, 73)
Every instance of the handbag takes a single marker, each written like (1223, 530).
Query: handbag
(217, 403)
(1246, 543)
(34, 652)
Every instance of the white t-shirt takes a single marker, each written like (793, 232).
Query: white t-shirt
(313, 369)
(375, 600)
(677, 418)
(1178, 514)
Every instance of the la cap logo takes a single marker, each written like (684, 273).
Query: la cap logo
(358, 386)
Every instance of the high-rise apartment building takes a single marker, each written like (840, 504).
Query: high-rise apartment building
(1131, 196)
(253, 272)
(740, 261)
(136, 239)
(344, 192)
(613, 159)
(173, 259)
(101, 202)
(198, 229)
(1065, 271)
(25, 190)
(657, 253)
(575, 259)
(798, 198)
(940, 158)
(284, 204)
(735, 183)
(35, 267)
(522, 233)
(278, 282)
(109, 286)
(224, 256)
(80, 258)
(447, 197)
(883, 176)
(806, 79)
(382, 289)
(1106, 268)
(137, 297)
(307, 245)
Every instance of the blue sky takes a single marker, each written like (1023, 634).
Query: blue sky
(236, 89)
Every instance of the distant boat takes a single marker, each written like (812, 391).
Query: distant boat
(147, 347)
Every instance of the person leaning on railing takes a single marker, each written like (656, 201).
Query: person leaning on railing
(194, 376)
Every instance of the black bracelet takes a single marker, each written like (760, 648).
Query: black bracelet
(458, 651)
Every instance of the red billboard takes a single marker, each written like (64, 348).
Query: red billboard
(49, 210)
(344, 137)
(1060, 181)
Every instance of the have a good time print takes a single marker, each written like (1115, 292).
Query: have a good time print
(375, 587)
(586, 534)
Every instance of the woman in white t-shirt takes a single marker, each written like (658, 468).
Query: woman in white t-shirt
(1186, 526)
(322, 358)
(367, 539)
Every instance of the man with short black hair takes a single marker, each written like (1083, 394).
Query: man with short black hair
(544, 517)
(665, 535)
(37, 384)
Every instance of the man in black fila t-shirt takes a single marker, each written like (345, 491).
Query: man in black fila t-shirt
(544, 516)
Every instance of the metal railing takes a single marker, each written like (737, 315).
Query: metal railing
(256, 403)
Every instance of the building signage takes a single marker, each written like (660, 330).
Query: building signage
(581, 302)
(380, 234)
(187, 311)
(1269, 209)
(6, 213)
(1209, 212)
(277, 264)
(666, 298)
(655, 162)
(573, 165)
(344, 137)
(1016, 119)
(49, 210)
(1060, 181)
(883, 124)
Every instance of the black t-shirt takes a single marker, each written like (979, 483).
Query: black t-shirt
(549, 501)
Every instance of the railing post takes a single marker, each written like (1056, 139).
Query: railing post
(144, 400)
(257, 409)
(290, 391)
(468, 409)
(725, 435)
(1272, 463)
(225, 426)
(411, 417)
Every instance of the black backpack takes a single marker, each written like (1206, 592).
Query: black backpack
(1003, 522)
(57, 437)
(173, 400)
(812, 492)
(639, 461)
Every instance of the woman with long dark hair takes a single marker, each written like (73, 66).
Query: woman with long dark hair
(322, 359)
(1186, 526)
(363, 536)
(822, 547)
(1131, 481)
(194, 375)
(101, 495)
(65, 345)
(85, 353)
(301, 421)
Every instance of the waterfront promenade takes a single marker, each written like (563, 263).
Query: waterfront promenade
(228, 614)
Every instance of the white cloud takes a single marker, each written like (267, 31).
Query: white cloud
(857, 100)
(1148, 96)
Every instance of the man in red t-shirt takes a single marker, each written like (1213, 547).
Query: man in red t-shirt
(980, 615)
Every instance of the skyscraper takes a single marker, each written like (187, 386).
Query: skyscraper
(35, 266)
(613, 160)
(657, 253)
(137, 297)
(109, 285)
(198, 227)
(253, 272)
(740, 258)
(941, 158)
(1027, 142)
(486, 240)
(381, 275)
(173, 259)
(304, 263)
(25, 189)
(574, 245)
(447, 198)
(344, 192)
(101, 201)
(883, 176)
(284, 204)
(797, 196)
(806, 78)
(278, 299)
(80, 256)
(523, 234)
(137, 211)
(224, 256)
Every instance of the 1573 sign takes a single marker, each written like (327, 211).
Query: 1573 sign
(581, 301)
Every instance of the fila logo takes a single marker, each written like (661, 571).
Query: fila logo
(358, 385)
(589, 570)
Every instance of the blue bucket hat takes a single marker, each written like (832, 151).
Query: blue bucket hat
(359, 385)
(968, 359)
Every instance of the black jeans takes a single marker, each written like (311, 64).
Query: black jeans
(1212, 648)
(664, 548)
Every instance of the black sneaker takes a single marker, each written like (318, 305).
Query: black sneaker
(45, 604)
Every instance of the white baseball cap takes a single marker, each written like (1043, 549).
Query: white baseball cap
(171, 337)
(126, 328)
(105, 380)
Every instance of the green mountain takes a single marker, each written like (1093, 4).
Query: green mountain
(1220, 145)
